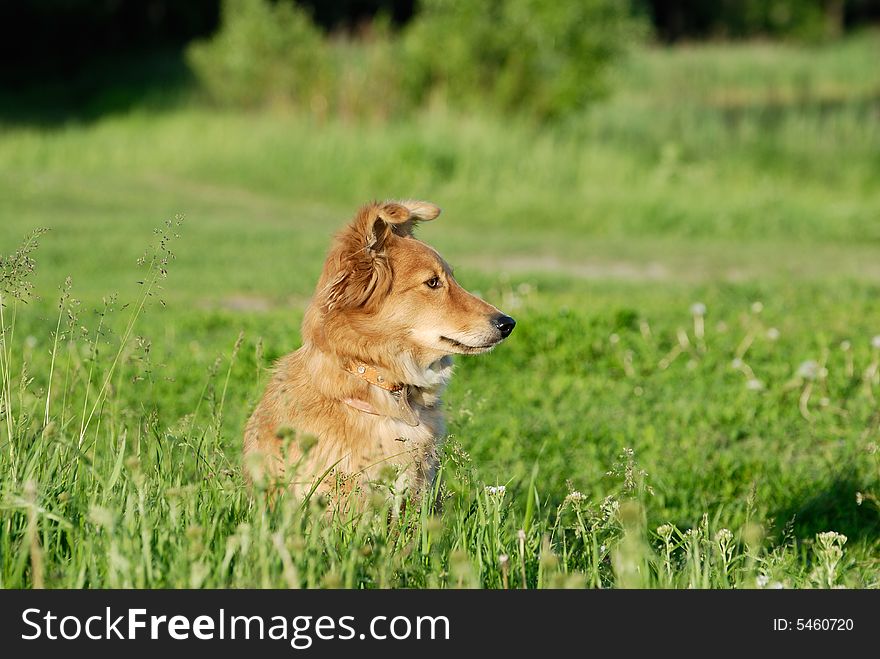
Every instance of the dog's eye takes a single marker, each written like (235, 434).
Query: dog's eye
(434, 282)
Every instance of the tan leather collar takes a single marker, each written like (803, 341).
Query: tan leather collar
(399, 391)
(371, 374)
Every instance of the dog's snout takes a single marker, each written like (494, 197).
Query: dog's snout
(504, 324)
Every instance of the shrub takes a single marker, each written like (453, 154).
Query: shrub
(538, 57)
(263, 53)
(544, 57)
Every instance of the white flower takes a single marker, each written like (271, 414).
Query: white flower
(31, 342)
(762, 580)
(753, 384)
(575, 496)
(829, 538)
(614, 339)
(777, 585)
(773, 334)
(610, 506)
(757, 307)
(698, 309)
(736, 363)
(496, 490)
(724, 536)
(100, 516)
(809, 370)
(876, 342)
(845, 345)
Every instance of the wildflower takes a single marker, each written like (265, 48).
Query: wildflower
(609, 506)
(575, 497)
(496, 490)
(757, 307)
(31, 342)
(829, 538)
(736, 363)
(614, 339)
(777, 585)
(875, 342)
(773, 334)
(809, 370)
(100, 516)
(860, 498)
(724, 536)
(638, 391)
(845, 345)
(698, 309)
(753, 384)
(665, 532)
(762, 580)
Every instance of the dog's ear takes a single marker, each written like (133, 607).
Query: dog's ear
(357, 271)
(400, 217)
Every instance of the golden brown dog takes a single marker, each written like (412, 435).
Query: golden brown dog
(363, 392)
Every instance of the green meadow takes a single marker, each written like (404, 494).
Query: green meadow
(690, 397)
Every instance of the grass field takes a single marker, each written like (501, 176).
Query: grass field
(689, 398)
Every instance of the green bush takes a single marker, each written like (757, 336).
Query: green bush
(537, 57)
(264, 53)
(543, 57)
(800, 19)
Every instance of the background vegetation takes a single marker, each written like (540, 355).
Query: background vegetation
(689, 398)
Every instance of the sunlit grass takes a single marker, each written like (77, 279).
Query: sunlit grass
(673, 448)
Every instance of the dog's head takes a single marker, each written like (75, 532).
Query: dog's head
(381, 286)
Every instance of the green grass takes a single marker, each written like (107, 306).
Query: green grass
(725, 175)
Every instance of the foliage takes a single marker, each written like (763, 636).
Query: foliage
(540, 57)
(808, 20)
(265, 52)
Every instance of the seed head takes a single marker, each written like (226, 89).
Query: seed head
(809, 370)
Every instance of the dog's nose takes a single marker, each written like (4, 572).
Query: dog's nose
(504, 324)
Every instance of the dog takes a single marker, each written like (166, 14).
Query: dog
(363, 393)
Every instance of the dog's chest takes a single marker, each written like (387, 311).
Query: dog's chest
(412, 451)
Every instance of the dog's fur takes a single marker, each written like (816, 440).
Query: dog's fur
(386, 303)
